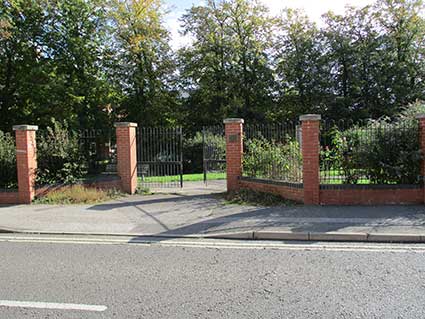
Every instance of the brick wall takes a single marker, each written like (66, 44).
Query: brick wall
(311, 192)
(9, 197)
(127, 156)
(371, 196)
(421, 123)
(26, 161)
(234, 152)
(287, 191)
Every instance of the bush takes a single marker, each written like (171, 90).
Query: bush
(273, 160)
(59, 156)
(8, 173)
(193, 150)
(193, 154)
(381, 151)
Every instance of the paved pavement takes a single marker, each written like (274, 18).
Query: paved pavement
(209, 279)
(200, 211)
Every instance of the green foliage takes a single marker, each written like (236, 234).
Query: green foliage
(59, 156)
(91, 62)
(382, 152)
(142, 66)
(51, 53)
(8, 173)
(193, 150)
(270, 159)
(193, 154)
(226, 71)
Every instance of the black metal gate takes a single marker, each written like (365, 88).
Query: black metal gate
(160, 157)
(214, 152)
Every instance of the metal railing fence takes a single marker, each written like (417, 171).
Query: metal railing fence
(369, 152)
(273, 152)
(160, 157)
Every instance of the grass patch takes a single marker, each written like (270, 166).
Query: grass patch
(255, 198)
(78, 195)
(198, 177)
(337, 177)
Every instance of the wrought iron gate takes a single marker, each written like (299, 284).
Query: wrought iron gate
(160, 156)
(214, 152)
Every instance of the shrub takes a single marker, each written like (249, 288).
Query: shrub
(381, 151)
(193, 154)
(193, 150)
(59, 156)
(8, 174)
(273, 160)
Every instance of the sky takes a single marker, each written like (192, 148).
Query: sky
(313, 8)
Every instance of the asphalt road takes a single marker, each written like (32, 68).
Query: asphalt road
(109, 278)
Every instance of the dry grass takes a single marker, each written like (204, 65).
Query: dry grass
(78, 195)
(255, 198)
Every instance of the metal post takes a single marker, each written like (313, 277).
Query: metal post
(181, 157)
(204, 164)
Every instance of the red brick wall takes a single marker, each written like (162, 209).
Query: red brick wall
(26, 162)
(343, 196)
(287, 192)
(127, 156)
(368, 196)
(112, 184)
(234, 152)
(310, 152)
(421, 121)
(9, 197)
(311, 193)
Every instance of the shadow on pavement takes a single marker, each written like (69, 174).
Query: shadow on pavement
(234, 218)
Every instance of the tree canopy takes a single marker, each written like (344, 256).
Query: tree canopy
(93, 62)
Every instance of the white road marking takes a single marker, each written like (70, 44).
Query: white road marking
(51, 305)
(220, 244)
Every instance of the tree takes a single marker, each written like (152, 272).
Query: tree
(302, 68)
(404, 42)
(144, 68)
(23, 60)
(226, 70)
(77, 35)
(354, 53)
(376, 58)
(51, 54)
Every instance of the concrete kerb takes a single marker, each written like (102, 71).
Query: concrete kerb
(253, 235)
